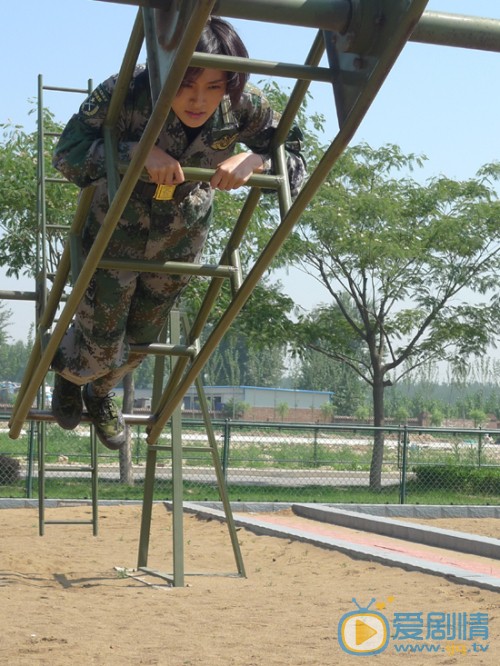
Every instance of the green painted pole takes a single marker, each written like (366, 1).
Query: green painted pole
(438, 28)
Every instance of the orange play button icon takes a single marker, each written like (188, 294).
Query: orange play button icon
(363, 631)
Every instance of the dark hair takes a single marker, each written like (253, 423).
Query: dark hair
(219, 37)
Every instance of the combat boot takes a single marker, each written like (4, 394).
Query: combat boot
(106, 418)
(67, 405)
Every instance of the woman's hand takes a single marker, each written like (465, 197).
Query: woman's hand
(236, 170)
(162, 168)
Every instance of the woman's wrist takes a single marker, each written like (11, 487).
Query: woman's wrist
(258, 163)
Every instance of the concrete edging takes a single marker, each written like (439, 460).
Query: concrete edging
(397, 529)
(356, 551)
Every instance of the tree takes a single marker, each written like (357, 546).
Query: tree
(5, 315)
(418, 264)
(19, 223)
(321, 373)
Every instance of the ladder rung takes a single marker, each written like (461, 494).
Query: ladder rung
(57, 180)
(168, 447)
(68, 522)
(175, 267)
(165, 350)
(58, 89)
(130, 419)
(67, 468)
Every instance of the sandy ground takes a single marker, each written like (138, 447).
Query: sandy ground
(64, 602)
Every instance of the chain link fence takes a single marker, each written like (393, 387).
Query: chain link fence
(267, 462)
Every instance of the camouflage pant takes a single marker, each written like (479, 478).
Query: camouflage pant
(126, 307)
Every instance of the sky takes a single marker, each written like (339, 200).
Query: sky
(437, 101)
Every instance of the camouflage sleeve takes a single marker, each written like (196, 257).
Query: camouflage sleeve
(79, 154)
(258, 124)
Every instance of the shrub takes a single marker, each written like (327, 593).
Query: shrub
(9, 470)
(482, 480)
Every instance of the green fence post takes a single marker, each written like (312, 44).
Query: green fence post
(479, 447)
(31, 452)
(225, 451)
(402, 487)
(315, 447)
(138, 445)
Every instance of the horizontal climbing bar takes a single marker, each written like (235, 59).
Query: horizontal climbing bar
(264, 181)
(18, 295)
(265, 67)
(48, 417)
(469, 32)
(159, 349)
(329, 14)
(439, 28)
(175, 267)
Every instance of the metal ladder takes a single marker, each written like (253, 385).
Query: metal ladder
(43, 275)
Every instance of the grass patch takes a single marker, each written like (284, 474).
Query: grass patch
(113, 490)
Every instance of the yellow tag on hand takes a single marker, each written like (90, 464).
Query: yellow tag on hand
(164, 192)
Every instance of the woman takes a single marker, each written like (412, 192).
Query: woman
(166, 220)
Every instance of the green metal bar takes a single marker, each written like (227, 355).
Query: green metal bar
(95, 482)
(404, 466)
(147, 508)
(41, 485)
(225, 450)
(468, 32)
(221, 480)
(126, 70)
(41, 259)
(175, 267)
(18, 295)
(237, 276)
(177, 485)
(149, 476)
(31, 456)
(264, 67)
(439, 28)
(72, 90)
(334, 14)
(116, 104)
(267, 181)
(165, 350)
(68, 522)
(299, 91)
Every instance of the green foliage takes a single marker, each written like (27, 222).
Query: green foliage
(19, 222)
(480, 480)
(234, 409)
(5, 315)
(327, 411)
(282, 410)
(403, 253)
(436, 418)
(13, 356)
(478, 416)
(9, 470)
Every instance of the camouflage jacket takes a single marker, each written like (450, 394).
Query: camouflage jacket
(79, 154)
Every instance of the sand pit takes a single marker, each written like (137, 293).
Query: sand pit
(64, 602)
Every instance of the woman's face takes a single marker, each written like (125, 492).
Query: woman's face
(197, 99)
